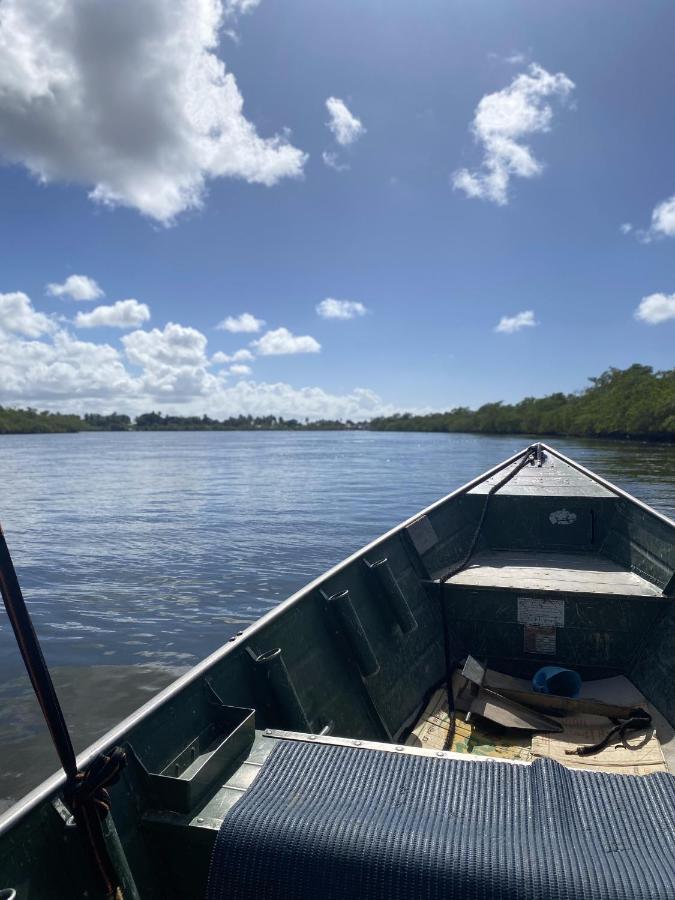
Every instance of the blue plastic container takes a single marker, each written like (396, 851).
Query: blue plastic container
(554, 680)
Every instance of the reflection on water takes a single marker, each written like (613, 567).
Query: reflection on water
(94, 697)
(144, 552)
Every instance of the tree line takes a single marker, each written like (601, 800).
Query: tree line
(637, 402)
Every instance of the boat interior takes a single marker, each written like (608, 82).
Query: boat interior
(533, 565)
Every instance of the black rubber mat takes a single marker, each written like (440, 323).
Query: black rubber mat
(325, 821)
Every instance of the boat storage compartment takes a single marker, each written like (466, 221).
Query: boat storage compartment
(204, 763)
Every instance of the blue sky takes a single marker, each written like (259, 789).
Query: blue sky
(128, 160)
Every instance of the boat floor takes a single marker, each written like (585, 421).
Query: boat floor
(481, 737)
(564, 572)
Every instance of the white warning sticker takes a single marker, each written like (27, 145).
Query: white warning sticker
(541, 611)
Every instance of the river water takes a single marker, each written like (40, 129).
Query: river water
(140, 553)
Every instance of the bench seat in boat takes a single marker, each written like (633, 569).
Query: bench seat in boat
(563, 572)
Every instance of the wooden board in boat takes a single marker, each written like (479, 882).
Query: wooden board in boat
(482, 738)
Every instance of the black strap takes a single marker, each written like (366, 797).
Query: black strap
(86, 791)
(529, 455)
(639, 720)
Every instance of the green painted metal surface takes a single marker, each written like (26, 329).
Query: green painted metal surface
(363, 670)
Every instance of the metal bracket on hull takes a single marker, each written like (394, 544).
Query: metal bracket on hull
(390, 589)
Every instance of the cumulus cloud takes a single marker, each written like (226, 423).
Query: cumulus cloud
(663, 219)
(123, 314)
(243, 323)
(174, 362)
(77, 287)
(264, 399)
(63, 373)
(656, 308)
(238, 357)
(501, 121)
(17, 316)
(510, 324)
(282, 342)
(242, 356)
(662, 223)
(130, 99)
(174, 345)
(42, 364)
(340, 309)
(346, 128)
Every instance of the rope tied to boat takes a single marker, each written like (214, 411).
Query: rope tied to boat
(87, 790)
(91, 786)
(639, 720)
(531, 455)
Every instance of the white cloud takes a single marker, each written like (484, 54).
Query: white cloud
(77, 287)
(509, 324)
(239, 356)
(174, 363)
(130, 100)
(58, 370)
(242, 356)
(233, 9)
(663, 219)
(656, 308)
(243, 323)
(346, 128)
(626, 228)
(500, 123)
(240, 370)
(513, 59)
(240, 7)
(264, 399)
(123, 314)
(42, 364)
(332, 160)
(281, 341)
(173, 346)
(17, 316)
(340, 309)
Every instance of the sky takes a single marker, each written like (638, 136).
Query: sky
(331, 209)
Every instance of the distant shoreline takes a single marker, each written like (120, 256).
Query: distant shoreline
(633, 404)
(667, 440)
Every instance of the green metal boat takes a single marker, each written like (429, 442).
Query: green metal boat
(414, 657)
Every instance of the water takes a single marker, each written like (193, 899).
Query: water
(142, 553)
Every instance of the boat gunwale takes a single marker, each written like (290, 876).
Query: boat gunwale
(611, 487)
(53, 783)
